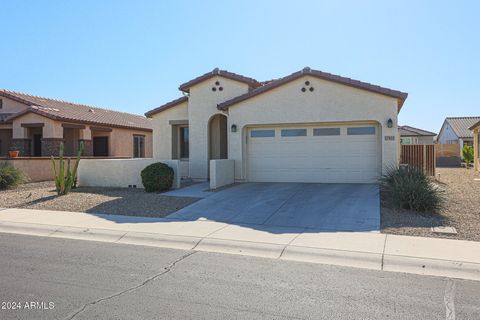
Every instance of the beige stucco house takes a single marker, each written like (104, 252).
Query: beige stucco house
(476, 145)
(36, 126)
(309, 126)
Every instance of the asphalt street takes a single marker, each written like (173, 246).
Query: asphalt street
(45, 278)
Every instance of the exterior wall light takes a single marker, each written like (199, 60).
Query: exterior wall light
(390, 123)
(234, 128)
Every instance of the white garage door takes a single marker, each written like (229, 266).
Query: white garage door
(326, 154)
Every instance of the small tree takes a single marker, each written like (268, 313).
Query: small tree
(467, 154)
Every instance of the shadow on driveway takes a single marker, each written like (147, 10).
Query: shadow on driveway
(282, 207)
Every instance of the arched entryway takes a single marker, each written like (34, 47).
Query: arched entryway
(217, 137)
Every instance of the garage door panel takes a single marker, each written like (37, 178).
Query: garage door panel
(338, 158)
(317, 176)
(302, 163)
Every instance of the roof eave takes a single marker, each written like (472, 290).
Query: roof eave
(185, 87)
(166, 106)
(474, 126)
(60, 118)
(31, 110)
(15, 98)
(400, 96)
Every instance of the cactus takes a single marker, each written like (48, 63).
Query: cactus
(66, 181)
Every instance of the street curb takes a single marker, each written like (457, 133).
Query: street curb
(256, 249)
(160, 240)
(365, 260)
(432, 267)
(88, 234)
(27, 229)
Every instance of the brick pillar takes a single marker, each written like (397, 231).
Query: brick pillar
(51, 146)
(88, 147)
(23, 145)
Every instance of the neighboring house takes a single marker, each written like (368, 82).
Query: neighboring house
(456, 130)
(309, 126)
(36, 126)
(411, 135)
(476, 145)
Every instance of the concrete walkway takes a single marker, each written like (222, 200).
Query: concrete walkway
(196, 190)
(430, 256)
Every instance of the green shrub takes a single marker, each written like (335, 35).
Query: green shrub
(410, 188)
(10, 176)
(157, 177)
(467, 154)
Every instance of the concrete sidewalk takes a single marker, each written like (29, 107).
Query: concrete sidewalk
(428, 256)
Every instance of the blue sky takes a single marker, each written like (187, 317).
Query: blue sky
(132, 55)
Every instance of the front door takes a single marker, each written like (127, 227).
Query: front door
(100, 146)
(37, 145)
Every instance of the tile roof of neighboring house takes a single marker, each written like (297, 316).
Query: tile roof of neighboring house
(79, 113)
(400, 96)
(185, 87)
(166, 106)
(477, 124)
(407, 131)
(461, 125)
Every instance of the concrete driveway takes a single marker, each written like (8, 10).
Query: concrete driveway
(333, 207)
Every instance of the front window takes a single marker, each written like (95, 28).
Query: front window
(184, 143)
(138, 146)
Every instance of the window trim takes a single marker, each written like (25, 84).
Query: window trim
(139, 142)
(179, 138)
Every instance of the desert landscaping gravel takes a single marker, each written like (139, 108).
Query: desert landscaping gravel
(462, 209)
(122, 201)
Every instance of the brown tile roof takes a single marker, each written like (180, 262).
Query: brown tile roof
(461, 125)
(185, 87)
(79, 113)
(166, 106)
(407, 131)
(400, 96)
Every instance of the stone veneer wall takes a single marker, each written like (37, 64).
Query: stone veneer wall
(51, 146)
(23, 145)
(88, 148)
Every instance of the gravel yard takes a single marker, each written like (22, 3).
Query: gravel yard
(462, 209)
(132, 202)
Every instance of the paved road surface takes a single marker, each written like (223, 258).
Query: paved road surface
(91, 280)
